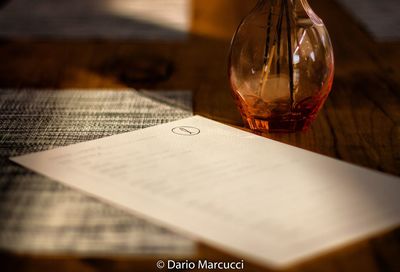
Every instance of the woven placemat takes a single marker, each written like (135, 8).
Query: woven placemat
(40, 215)
(381, 18)
(109, 19)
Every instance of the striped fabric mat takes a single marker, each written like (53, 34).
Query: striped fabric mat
(39, 215)
(381, 18)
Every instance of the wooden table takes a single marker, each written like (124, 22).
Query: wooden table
(359, 123)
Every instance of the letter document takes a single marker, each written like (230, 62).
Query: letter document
(257, 198)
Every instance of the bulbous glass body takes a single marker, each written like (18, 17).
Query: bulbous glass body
(281, 66)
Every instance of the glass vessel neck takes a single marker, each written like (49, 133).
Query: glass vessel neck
(263, 2)
(299, 8)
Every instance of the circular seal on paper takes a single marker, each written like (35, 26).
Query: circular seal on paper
(186, 131)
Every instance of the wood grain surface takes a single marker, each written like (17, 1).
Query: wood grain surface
(359, 123)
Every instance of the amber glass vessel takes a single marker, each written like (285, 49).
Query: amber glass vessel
(281, 66)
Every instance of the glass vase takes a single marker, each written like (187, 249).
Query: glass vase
(281, 66)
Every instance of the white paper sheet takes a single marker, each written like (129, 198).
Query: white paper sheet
(254, 197)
